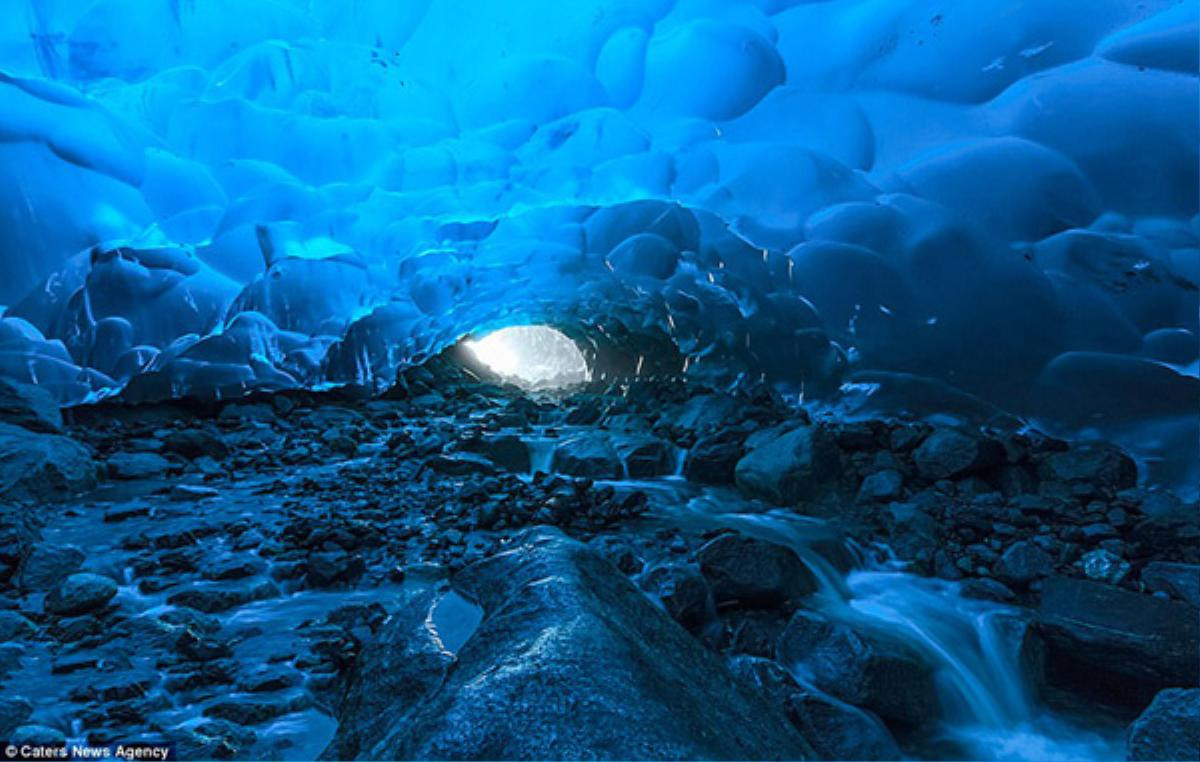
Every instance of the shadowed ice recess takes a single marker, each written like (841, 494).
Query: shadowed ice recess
(988, 211)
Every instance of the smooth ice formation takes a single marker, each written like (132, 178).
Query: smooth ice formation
(965, 208)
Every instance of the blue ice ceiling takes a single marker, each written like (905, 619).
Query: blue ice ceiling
(993, 198)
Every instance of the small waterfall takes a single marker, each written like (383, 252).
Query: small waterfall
(973, 645)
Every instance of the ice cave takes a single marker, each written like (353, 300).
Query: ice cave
(600, 379)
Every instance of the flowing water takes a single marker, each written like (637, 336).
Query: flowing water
(989, 710)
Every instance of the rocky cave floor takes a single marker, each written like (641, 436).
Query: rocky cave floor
(238, 578)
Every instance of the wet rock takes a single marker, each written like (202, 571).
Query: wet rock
(644, 456)
(683, 592)
(29, 407)
(508, 451)
(137, 465)
(752, 632)
(333, 568)
(14, 712)
(42, 466)
(460, 464)
(192, 492)
(1113, 644)
(570, 661)
(881, 486)
(269, 679)
(1093, 464)
(911, 530)
(714, 459)
(255, 710)
(949, 453)
(79, 594)
(14, 626)
(864, 669)
(753, 573)
(195, 443)
(223, 596)
(1022, 563)
(835, 729)
(591, 455)
(1179, 580)
(1169, 729)
(707, 412)
(48, 564)
(790, 468)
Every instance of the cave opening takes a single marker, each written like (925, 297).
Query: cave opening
(532, 357)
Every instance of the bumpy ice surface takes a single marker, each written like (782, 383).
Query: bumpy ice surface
(984, 206)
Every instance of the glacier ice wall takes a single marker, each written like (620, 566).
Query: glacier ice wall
(994, 201)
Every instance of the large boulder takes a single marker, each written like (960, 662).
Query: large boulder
(791, 467)
(1094, 463)
(1180, 580)
(753, 573)
(79, 594)
(1168, 729)
(644, 456)
(837, 730)
(570, 661)
(862, 668)
(30, 407)
(1116, 645)
(950, 453)
(591, 455)
(713, 459)
(37, 466)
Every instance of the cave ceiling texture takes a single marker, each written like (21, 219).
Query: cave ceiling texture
(868, 202)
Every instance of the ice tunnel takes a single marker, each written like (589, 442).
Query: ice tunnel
(882, 204)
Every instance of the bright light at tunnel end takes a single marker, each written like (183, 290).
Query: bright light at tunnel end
(534, 357)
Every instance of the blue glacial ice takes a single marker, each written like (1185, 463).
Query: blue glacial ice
(990, 205)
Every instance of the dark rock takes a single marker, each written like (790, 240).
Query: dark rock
(753, 573)
(269, 679)
(14, 626)
(713, 459)
(29, 407)
(864, 669)
(1094, 464)
(254, 710)
(912, 531)
(683, 592)
(835, 729)
(460, 464)
(707, 412)
(1169, 729)
(644, 456)
(508, 451)
(79, 594)
(1116, 645)
(987, 590)
(591, 455)
(333, 568)
(881, 486)
(137, 465)
(1180, 580)
(570, 661)
(14, 712)
(221, 596)
(190, 492)
(949, 453)
(48, 564)
(195, 443)
(42, 466)
(791, 467)
(752, 632)
(1022, 563)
